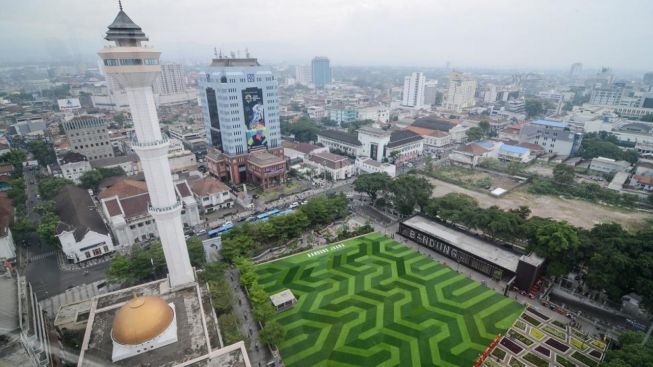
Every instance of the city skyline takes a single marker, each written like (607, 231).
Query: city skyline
(467, 34)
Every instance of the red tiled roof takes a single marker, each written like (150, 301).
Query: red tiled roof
(6, 213)
(124, 188)
(644, 180)
(427, 132)
(135, 205)
(113, 207)
(183, 189)
(474, 149)
(207, 186)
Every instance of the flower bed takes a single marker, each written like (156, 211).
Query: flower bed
(514, 362)
(490, 363)
(522, 338)
(536, 333)
(530, 320)
(579, 344)
(557, 345)
(512, 346)
(543, 351)
(599, 344)
(537, 313)
(584, 359)
(499, 353)
(555, 332)
(596, 354)
(565, 362)
(559, 324)
(539, 362)
(520, 325)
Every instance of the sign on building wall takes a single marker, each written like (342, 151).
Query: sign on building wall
(69, 104)
(254, 110)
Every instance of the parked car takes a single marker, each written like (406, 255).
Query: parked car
(293, 205)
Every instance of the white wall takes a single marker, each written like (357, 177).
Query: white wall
(72, 248)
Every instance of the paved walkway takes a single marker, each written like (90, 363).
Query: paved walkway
(259, 354)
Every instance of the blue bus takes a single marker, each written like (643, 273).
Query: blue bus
(267, 214)
(222, 229)
(287, 211)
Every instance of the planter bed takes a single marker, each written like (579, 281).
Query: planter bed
(557, 345)
(559, 324)
(532, 358)
(581, 345)
(546, 352)
(514, 362)
(522, 338)
(555, 332)
(565, 362)
(520, 325)
(584, 359)
(499, 353)
(530, 320)
(536, 333)
(512, 346)
(596, 354)
(537, 313)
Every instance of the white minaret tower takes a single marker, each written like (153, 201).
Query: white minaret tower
(135, 67)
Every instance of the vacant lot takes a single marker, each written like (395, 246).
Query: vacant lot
(577, 212)
(371, 301)
(474, 179)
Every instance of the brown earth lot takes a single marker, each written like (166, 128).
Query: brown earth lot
(579, 213)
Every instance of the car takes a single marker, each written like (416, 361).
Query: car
(293, 205)
(201, 231)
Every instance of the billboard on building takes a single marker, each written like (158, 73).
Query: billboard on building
(69, 104)
(254, 110)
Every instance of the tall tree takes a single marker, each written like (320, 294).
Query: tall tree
(372, 183)
(474, 133)
(409, 191)
(272, 333)
(42, 152)
(564, 174)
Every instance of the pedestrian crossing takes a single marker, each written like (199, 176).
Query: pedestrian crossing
(38, 257)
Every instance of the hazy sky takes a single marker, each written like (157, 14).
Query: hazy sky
(427, 33)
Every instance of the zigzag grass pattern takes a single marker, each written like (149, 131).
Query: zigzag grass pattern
(371, 301)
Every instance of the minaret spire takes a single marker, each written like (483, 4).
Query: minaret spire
(120, 4)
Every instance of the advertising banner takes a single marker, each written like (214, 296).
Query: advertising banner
(257, 132)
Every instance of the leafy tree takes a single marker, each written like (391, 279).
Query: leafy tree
(47, 230)
(233, 247)
(409, 191)
(230, 328)
(140, 265)
(196, 252)
(51, 186)
(428, 163)
(534, 107)
(272, 333)
(558, 242)
(564, 174)
(44, 207)
(630, 352)
(42, 152)
(263, 311)
(305, 130)
(474, 133)
(213, 272)
(394, 155)
(21, 229)
(17, 191)
(91, 179)
(221, 295)
(372, 183)
(16, 157)
(485, 127)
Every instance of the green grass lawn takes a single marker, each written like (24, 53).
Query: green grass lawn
(372, 301)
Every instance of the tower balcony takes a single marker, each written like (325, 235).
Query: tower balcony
(166, 211)
(151, 148)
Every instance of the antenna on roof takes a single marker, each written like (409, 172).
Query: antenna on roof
(215, 52)
(247, 53)
(220, 56)
(120, 4)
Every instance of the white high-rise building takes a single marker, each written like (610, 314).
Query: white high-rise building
(303, 74)
(413, 95)
(171, 81)
(135, 68)
(461, 92)
(430, 92)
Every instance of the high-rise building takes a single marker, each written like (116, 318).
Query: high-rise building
(320, 71)
(576, 69)
(413, 95)
(648, 78)
(430, 92)
(135, 68)
(88, 135)
(241, 114)
(461, 92)
(303, 74)
(171, 81)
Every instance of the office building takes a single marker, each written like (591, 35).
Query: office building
(430, 92)
(460, 94)
(648, 78)
(241, 114)
(413, 95)
(89, 136)
(555, 137)
(575, 70)
(73, 166)
(171, 81)
(303, 74)
(320, 71)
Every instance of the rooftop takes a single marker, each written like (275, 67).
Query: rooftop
(427, 132)
(514, 149)
(207, 186)
(557, 124)
(264, 159)
(72, 157)
(434, 123)
(300, 147)
(401, 137)
(503, 258)
(282, 297)
(77, 213)
(124, 29)
(341, 136)
(112, 161)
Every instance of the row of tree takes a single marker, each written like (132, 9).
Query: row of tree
(606, 145)
(405, 192)
(248, 239)
(272, 332)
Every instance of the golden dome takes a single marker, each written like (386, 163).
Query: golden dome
(141, 319)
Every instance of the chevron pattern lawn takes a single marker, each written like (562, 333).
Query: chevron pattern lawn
(371, 301)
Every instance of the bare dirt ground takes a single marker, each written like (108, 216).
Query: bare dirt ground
(579, 213)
